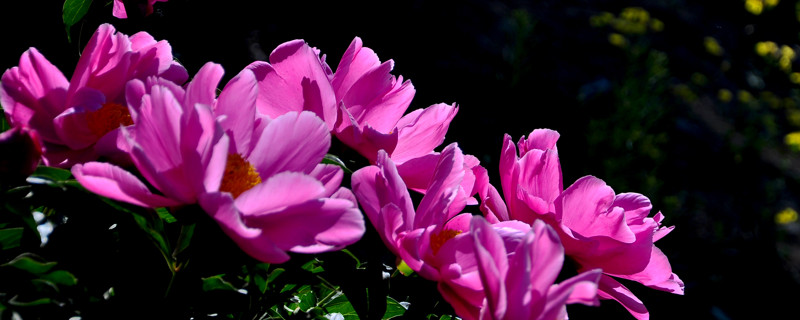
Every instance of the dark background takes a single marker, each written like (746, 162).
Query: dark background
(646, 116)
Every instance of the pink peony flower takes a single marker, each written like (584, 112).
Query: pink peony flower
(516, 267)
(597, 228)
(145, 6)
(259, 178)
(601, 230)
(80, 119)
(371, 105)
(295, 79)
(413, 235)
(471, 267)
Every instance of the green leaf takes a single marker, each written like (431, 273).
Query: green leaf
(217, 283)
(313, 266)
(184, 239)
(164, 214)
(393, 309)
(342, 306)
(61, 277)
(4, 126)
(10, 238)
(49, 175)
(331, 159)
(154, 232)
(27, 263)
(73, 11)
(15, 302)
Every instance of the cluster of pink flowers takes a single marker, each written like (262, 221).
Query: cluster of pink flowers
(132, 128)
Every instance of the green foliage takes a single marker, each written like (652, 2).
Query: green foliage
(332, 159)
(73, 11)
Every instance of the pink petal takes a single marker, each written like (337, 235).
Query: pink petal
(539, 139)
(104, 64)
(355, 62)
(203, 87)
(113, 182)
(72, 125)
(282, 190)
(608, 288)
(119, 10)
(367, 141)
(435, 206)
(421, 132)
(253, 241)
(584, 209)
(492, 205)
(313, 226)
(330, 176)
(291, 142)
(294, 80)
(636, 207)
(493, 265)
(540, 177)
(578, 289)
(34, 93)
(237, 103)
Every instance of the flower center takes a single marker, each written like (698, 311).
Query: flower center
(439, 238)
(107, 118)
(239, 176)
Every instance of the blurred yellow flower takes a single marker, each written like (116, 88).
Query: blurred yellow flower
(744, 96)
(793, 140)
(617, 39)
(754, 6)
(764, 48)
(712, 46)
(786, 216)
(724, 95)
(795, 77)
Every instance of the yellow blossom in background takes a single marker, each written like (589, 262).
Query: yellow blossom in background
(724, 95)
(794, 77)
(771, 3)
(786, 216)
(602, 19)
(764, 48)
(793, 115)
(793, 140)
(787, 55)
(617, 39)
(744, 96)
(754, 6)
(656, 25)
(713, 47)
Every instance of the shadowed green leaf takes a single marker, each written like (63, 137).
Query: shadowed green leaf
(27, 263)
(393, 309)
(217, 283)
(10, 238)
(15, 302)
(61, 277)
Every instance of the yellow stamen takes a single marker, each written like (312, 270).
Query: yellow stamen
(109, 117)
(239, 176)
(439, 238)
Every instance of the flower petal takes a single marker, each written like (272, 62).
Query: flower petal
(113, 182)
(422, 131)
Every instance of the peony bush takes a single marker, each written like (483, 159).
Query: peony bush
(238, 189)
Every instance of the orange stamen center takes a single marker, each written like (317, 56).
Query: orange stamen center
(109, 117)
(439, 238)
(239, 176)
